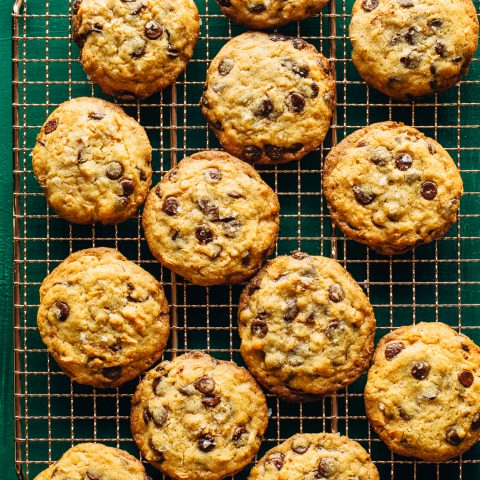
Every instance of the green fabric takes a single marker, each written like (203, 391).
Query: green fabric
(402, 290)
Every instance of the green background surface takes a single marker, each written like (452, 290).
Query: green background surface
(7, 470)
(401, 290)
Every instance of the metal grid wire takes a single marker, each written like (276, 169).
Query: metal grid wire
(438, 282)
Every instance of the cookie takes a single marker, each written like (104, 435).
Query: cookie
(423, 392)
(269, 98)
(261, 14)
(93, 162)
(198, 418)
(133, 48)
(391, 187)
(103, 318)
(212, 219)
(312, 456)
(412, 48)
(94, 461)
(306, 327)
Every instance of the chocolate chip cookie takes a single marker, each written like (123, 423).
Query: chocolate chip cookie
(269, 98)
(103, 318)
(306, 327)
(135, 48)
(313, 456)
(411, 48)
(261, 14)
(391, 187)
(423, 392)
(199, 418)
(93, 161)
(94, 461)
(212, 219)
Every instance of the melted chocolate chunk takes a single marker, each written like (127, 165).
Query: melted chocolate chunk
(238, 434)
(206, 442)
(204, 234)
(363, 196)
(403, 161)
(128, 187)
(213, 175)
(369, 5)
(252, 154)
(259, 327)
(428, 190)
(211, 401)
(170, 206)
(326, 468)
(276, 459)
(405, 3)
(452, 437)
(295, 102)
(62, 311)
(153, 30)
(441, 49)
(420, 370)
(209, 209)
(274, 152)
(336, 293)
(225, 66)
(299, 43)
(264, 109)
(97, 115)
(51, 126)
(259, 8)
(277, 37)
(112, 373)
(139, 52)
(225, 3)
(92, 476)
(435, 22)
(315, 90)
(393, 349)
(114, 170)
(411, 61)
(465, 377)
(291, 311)
(205, 384)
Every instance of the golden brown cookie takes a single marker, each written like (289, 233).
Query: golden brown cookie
(269, 98)
(198, 418)
(135, 48)
(306, 327)
(93, 161)
(411, 48)
(212, 219)
(103, 318)
(391, 187)
(423, 392)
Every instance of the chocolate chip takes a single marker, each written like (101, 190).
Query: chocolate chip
(206, 442)
(114, 170)
(137, 10)
(225, 3)
(128, 187)
(300, 255)
(276, 459)
(277, 37)
(76, 6)
(158, 415)
(92, 476)
(232, 228)
(295, 102)
(112, 373)
(291, 311)
(252, 154)
(315, 90)
(274, 152)
(139, 52)
(393, 349)
(259, 8)
(363, 196)
(234, 195)
(336, 293)
(209, 209)
(116, 347)
(205, 384)
(253, 286)
(211, 401)
(452, 436)
(380, 156)
(170, 206)
(259, 327)
(403, 161)
(332, 329)
(299, 43)
(300, 449)
(431, 148)
(420, 370)
(465, 377)
(217, 125)
(441, 49)
(369, 5)
(428, 190)
(405, 3)
(97, 115)
(326, 468)
(51, 126)
(412, 60)
(302, 70)
(225, 66)
(172, 51)
(476, 421)
(213, 175)
(62, 311)
(153, 30)
(457, 59)
(435, 22)
(465, 348)
(404, 415)
(264, 109)
(237, 436)
(296, 147)
(412, 36)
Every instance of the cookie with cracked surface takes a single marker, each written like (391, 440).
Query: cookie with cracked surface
(412, 48)
(212, 219)
(311, 456)
(103, 318)
(198, 418)
(391, 187)
(94, 461)
(306, 327)
(261, 14)
(423, 392)
(269, 98)
(93, 161)
(135, 48)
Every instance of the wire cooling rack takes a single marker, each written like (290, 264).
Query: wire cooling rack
(437, 282)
